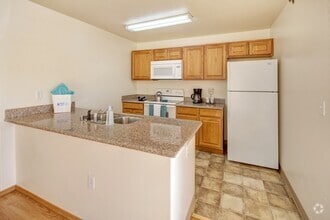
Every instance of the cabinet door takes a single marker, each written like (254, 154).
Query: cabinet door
(141, 64)
(193, 62)
(175, 53)
(261, 47)
(161, 54)
(215, 61)
(190, 117)
(211, 133)
(238, 49)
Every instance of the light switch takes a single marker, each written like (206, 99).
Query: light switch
(39, 95)
(323, 108)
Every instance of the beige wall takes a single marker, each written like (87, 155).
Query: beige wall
(302, 44)
(40, 48)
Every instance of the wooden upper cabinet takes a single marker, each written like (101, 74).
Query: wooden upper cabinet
(255, 48)
(168, 54)
(261, 47)
(175, 53)
(141, 64)
(215, 61)
(207, 62)
(238, 49)
(193, 62)
(160, 54)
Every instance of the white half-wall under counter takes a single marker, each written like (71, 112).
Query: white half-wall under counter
(93, 172)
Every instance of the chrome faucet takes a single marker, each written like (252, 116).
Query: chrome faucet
(159, 96)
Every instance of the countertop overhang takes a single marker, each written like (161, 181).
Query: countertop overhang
(156, 135)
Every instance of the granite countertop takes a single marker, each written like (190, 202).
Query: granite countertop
(187, 104)
(156, 135)
(201, 105)
(219, 102)
(134, 101)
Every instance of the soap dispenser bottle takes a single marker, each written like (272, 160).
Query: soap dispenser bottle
(109, 119)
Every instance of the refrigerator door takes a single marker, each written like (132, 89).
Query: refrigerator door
(257, 75)
(253, 128)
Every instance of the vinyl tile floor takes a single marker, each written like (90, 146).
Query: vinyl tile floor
(228, 190)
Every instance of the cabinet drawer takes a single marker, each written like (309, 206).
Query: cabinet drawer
(211, 112)
(131, 105)
(133, 111)
(187, 111)
(187, 117)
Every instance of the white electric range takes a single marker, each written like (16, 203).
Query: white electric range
(169, 99)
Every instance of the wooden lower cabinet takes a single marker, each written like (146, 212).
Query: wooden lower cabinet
(210, 136)
(188, 114)
(133, 108)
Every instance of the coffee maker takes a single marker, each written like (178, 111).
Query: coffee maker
(197, 96)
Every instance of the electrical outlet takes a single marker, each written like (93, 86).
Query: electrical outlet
(39, 95)
(91, 182)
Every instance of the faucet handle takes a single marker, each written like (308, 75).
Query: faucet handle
(89, 115)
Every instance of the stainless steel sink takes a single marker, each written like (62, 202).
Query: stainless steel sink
(118, 119)
(126, 120)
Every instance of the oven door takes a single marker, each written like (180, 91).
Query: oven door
(170, 110)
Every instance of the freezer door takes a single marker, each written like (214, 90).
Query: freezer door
(257, 75)
(253, 128)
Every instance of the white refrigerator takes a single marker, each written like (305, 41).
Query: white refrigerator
(253, 112)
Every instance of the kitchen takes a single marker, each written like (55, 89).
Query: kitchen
(41, 47)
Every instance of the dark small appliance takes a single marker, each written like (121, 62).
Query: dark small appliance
(197, 96)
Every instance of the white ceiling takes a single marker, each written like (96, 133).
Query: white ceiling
(210, 16)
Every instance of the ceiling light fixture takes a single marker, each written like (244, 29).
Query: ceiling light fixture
(162, 22)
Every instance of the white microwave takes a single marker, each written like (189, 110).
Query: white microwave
(167, 69)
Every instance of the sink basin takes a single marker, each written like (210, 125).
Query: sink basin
(126, 120)
(117, 120)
